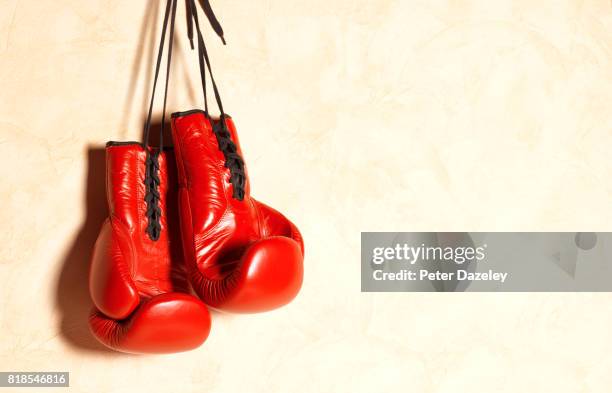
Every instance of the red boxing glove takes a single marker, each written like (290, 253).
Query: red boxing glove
(137, 280)
(241, 255)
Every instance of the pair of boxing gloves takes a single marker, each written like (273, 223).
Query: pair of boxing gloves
(184, 234)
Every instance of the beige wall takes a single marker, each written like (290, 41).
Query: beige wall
(354, 115)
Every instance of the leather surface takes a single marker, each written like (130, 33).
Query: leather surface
(242, 255)
(139, 286)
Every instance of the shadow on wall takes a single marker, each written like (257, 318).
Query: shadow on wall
(73, 298)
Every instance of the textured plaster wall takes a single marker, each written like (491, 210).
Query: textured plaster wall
(354, 115)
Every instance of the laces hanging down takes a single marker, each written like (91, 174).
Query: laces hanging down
(212, 19)
(233, 160)
(152, 181)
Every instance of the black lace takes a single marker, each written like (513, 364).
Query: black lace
(152, 196)
(152, 181)
(212, 19)
(233, 160)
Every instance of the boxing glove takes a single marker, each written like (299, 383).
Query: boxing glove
(241, 255)
(137, 280)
